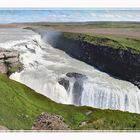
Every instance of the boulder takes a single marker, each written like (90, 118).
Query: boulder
(47, 121)
(77, 79)
(64, 83)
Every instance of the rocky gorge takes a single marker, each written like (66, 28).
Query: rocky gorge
(56, 74)
(118, 62)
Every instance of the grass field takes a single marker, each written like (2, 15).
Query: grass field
(19, 107)
(117, 29)
(129, 44)
(94, 24)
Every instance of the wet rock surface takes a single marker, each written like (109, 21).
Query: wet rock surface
(48, 121)
(64, 82)
(75, 75)
(76, 80)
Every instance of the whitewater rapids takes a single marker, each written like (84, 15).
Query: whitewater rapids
(44, 66)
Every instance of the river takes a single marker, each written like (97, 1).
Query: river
(63, 79)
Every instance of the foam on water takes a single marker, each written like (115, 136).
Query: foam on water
(45, 65)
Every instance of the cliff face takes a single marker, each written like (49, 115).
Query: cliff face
(116, 62)
(9, 61)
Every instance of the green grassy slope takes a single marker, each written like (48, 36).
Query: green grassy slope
(19, 107)
(129, 44)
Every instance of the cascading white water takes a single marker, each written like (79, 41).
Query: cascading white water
(45, 66)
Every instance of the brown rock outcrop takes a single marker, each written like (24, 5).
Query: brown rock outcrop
(48, 121)
(9, 61)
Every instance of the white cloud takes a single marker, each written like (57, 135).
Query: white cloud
(64, 15)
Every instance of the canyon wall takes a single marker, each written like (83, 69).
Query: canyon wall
(119, 63)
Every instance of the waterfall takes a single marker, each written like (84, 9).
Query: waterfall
(53, 73)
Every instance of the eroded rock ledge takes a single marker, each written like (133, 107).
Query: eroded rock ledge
(9, 61)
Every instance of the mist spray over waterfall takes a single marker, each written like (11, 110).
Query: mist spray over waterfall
(64, 79)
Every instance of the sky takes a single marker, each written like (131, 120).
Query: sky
(68, 10)
(65, 15)
(69, 3)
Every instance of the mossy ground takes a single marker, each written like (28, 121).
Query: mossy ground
(20, 105)
(129, 44)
